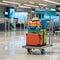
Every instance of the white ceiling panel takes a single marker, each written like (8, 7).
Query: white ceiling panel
(50, 5)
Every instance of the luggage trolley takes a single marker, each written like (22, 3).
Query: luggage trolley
(29, 48)
(41, 48)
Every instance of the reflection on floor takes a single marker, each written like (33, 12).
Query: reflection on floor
(11, 48)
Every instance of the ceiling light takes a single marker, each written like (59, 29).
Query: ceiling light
(52, 2)
(42, 4)
(24, 6)
(32, 11)
(31, 5)
(3, 3)
(53, 9)
(11, 2)
(31, 2)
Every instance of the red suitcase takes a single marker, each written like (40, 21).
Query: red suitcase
(33, 39)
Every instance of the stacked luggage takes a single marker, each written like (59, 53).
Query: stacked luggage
(44, 24)
(35, 37)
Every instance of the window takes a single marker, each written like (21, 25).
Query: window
(21, 16)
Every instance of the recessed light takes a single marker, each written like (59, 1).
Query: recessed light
(32, 11)
(31, 5)
(53, 9)
(42, 4)
(52, 2)
(21, 6)
(31, 2)
(11, 2)
(3, 3)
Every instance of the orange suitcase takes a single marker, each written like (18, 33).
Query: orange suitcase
(33, 39)
(39, 23)
(34, 23)
(30, 23)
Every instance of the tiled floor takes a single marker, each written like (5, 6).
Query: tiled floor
(11, 48)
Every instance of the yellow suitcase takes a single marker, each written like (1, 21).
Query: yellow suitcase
(44, 39)
(43, 31)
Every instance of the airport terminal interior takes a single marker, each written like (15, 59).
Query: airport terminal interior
(29, 29)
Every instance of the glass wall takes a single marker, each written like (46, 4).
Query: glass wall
(22, 16)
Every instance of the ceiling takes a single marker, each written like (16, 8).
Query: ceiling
(0, 0)
(49, 5)
(22, 1)
(56, 0)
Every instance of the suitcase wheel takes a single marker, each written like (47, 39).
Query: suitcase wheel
(29, 50)
(42, 51)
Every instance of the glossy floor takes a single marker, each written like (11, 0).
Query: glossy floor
(11, 47)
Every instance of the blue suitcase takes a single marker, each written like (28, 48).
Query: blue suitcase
(33, 28)
(44, 24)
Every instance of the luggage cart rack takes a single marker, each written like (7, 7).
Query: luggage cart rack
(29, 48)
(41, 48)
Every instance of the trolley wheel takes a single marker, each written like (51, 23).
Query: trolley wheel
(42, 51)
(29, 50)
